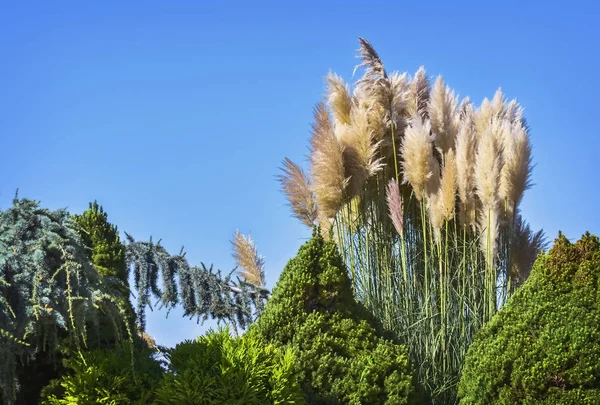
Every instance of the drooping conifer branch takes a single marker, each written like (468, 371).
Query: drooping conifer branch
(203, 292)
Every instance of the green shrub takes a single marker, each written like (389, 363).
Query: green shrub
(50, 295)
(107, 377)
(543, 347)
(106, 250)
(220, 369)
(340, 352)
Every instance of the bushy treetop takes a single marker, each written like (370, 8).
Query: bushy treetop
(339, 352)
(220, 369)
(543, 347)
(49, 289)
(107, 252)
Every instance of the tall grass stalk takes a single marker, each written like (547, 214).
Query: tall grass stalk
(410, 183)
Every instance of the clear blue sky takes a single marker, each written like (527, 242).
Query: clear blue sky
(175, 115)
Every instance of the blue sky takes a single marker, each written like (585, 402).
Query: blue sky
(176, 115)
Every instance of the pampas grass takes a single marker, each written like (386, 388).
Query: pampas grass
(526, 245)
(327, 165)
(448, 186)
(394, 202)
(360, 149)
(248, 260)
(466, 146)
(443, 114)
(516, 171)
(370, 60)
(488, 163)
(297, 187)
(419, 164)
(421, 195)
(418, 97)
(339, 98)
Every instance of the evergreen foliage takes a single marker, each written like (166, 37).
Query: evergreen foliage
(107, 252)
(203, 292)
(107, 377)
(543, 347)
(49, 289)
(63, 278)
(219, 369)
(341, 356)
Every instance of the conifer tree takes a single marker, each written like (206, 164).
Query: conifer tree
(53, 287)
(48, 288)
(107, 252)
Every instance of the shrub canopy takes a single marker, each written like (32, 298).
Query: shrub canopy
(340, 353)
(124, 375)
(220, 369)
(543, 347)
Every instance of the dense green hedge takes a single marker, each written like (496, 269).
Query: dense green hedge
(120, 376)
(543, 347)
(340, 354)
(218, 369)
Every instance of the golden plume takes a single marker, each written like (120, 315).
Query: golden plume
(247, 258)
(443, 115)
(298, 190)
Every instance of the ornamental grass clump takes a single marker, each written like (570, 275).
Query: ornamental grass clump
(543, 347)
(421, 191)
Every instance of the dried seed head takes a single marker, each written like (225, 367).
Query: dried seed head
(515, 176)
(394, 201)
(525, 247)
(418, 96)
(370, 59)
(339, 98)
(488, 163)
(360, 149)
(247, 258)
(466, 146)
(327, 165)
(444, 115)
(448, 186)
(418, 163)
(298, 190)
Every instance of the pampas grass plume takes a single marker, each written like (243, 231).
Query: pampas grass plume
(418, 96)
(448, 186)
(247, 258)
(488, 163)
(339, 98)
(516, 172)
(443, 115)
(418, 163)
(327, 165)
(394, 202)
(466, 146)
(298, 189)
